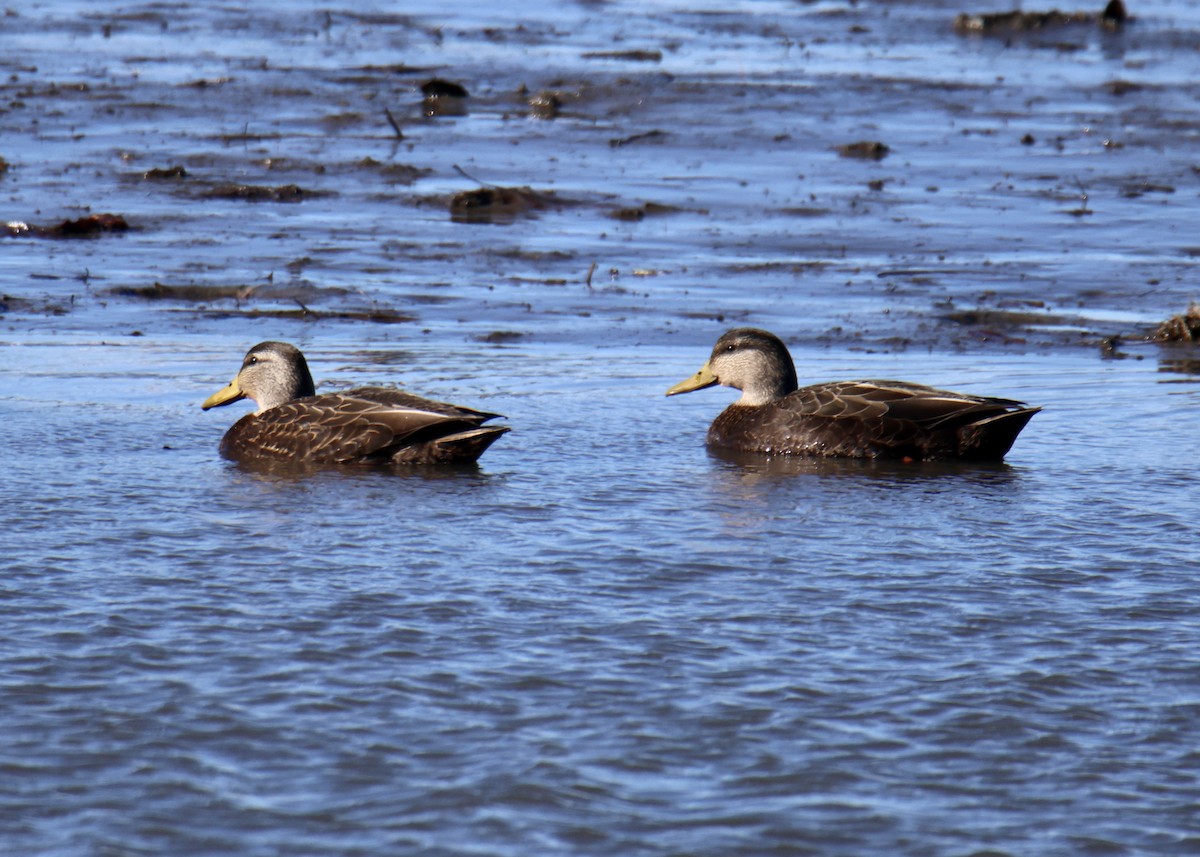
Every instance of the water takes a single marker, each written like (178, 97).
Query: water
(603, 640)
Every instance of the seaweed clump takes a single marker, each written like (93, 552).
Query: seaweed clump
(1184, 327)
(1113, 17)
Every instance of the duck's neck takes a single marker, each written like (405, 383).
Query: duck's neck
(296, 384)
(769, 389)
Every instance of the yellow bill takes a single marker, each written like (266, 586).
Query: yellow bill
(230, 393)
(703, 378)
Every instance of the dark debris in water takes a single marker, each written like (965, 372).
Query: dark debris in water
(871, 150)
(545, 105)
(1021, 326)
(1110, 348)
(1112, 17)
(443, 98)
(185, 293)
(83, 227)
(634, 56)
(647, 209)
(165, 173)
(497, 204)
(1132, 191)
(304, 313)
(1001, 318)
(499, 337)
(438, 88)
(12, 303)
(549, 103)
(28, 306)
(259, 193)
(369, 71)
(91, 225)
(1122, 87)
(809, 210)
(207, 82)
(998, 325)
(637, 138)
(394, 173)
(1184, 327)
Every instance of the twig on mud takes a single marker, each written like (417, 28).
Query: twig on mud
(395, 125)
(1083, 210)
(243, 294)
(467, 175)
(1083, 194)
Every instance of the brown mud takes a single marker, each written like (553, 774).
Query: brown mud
(1025, 199)
(1112, 17)
(1184, 327)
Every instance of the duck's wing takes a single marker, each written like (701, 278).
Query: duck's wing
(869, 419)
(334, 428)
(403, 399)
(927, 407)
(899, 418)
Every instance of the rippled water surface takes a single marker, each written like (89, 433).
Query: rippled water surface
(603, 640)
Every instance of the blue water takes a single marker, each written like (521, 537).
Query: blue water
(603, 640)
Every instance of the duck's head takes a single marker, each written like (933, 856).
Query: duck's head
(747, 359)
(271, 374)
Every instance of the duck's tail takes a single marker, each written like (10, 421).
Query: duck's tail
(462, 446)
(991, 438)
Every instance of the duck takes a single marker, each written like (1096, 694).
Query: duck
(365, 425)
(845, 419)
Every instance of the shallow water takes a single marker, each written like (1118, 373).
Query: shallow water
(604, 639)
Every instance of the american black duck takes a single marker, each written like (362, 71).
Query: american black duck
(366, 425)
(848, 419)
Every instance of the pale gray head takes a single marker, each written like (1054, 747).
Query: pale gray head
(747, 359)
(271, 374)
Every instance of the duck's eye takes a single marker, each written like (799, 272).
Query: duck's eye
(250, 361)
(730, 347)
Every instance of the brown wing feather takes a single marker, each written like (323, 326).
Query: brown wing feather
(403, 399)
(464, 446)
(331, 428)
(870, 419)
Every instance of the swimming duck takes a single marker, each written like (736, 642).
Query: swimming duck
(360, 426)
(848, 419)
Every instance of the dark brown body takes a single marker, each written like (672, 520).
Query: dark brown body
(874, 419)
(369, 425)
